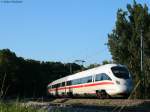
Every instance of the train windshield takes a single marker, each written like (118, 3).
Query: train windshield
(120, 72)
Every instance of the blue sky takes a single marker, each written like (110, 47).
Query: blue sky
(59, 30)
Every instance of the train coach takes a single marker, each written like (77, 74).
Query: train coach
(104, 81)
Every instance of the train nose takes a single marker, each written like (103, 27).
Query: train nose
(129, 85)
(125, 86)
(124, 89)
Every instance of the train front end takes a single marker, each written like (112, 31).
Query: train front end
(122, 79)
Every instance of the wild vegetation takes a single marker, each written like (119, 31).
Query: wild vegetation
(16, 107)
(21, 77)
(124, 43)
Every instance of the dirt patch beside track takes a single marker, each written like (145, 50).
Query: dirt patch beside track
(93, 105)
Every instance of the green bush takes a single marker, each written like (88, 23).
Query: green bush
(16, 107)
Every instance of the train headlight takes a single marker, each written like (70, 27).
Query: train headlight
(118, 82)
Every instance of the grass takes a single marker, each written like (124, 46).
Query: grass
(16, 107)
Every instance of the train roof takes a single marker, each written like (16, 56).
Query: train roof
(85, 73)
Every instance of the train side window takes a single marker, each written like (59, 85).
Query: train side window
(98, 77)
(68, 83)
(76, 81)
(53, 86)
(86, 79)
(102, 76)
(59, 84)
(105, 77)
(89, 79)
(63, 84)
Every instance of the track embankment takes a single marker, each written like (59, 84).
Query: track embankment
(93, 105)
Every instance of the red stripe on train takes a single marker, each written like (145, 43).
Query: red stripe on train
(84, 85)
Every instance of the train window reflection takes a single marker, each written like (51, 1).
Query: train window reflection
(68, 83)
(86, 79)
(76, 81)
(102, 76)
(120, 72)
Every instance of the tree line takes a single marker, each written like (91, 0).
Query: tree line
(124, 43)
(21, 77)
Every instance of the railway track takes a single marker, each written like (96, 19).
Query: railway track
(92, 105)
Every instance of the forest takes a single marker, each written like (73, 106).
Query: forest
(21, 77)
(129, 44)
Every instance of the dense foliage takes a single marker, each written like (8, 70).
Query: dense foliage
(21, 77)
(16, 107)
(124, 44)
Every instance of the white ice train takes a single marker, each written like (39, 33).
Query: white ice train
(103, 81)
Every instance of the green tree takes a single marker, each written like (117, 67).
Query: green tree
(27, 77)
(106, 62)
(124, 42)
(93, 66)
(8, 68)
